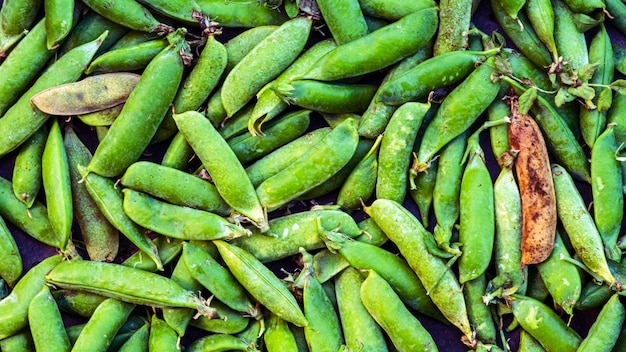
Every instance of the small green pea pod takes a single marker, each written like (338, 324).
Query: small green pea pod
(242, 13)
(57, 185)
(498, 135)
(593, 295)
(162, 336)
(394, 156)
(605, 331)
(261, 283)
(217, 279)
(323, 332)
(238, 47)
(478, 312)
(16, 18)
(101, 328)
(59, 18)
(421, 187)
(128, 13)
(523, 36)
(527, 343)
(593, 122)
(606, 187)
(20, 342)
(220, 342)
(181, 10)
(88, 28)
(512, 7)
(544, 324)
(454, 25)
(394, 9)
(261, 64)
(168, 249)
(249, 147)
(455, 114)
(397, 222)
(326, 97)
(541, 16)
(579, 225)
(27, 170)
(129, 135)
(46, 324)
(403, 328)
(277, 160)
(361, 183)
(138, 342)
(317, 165)
(178, 153)
(21, 121)
(344, 19)
(101, 118)
(570, 43)
(77, 303)
(617, 9)
(230, 322)
(378, 49)
(133, 37)
(226, 171)
(278, 337)
(11, 261)
(14, 307)
(110, 201)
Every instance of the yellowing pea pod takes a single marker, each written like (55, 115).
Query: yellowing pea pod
(88, 95)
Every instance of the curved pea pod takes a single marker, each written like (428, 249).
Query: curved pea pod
(16, 18)
(230, 322)
(226, 171)
(326, 97)
(133, 129)
(27, 169)
(318, 164)
(14, 307)
(128, 13)
(261, 283)
(21, 121)
(176, 221)
(361, 183)
(378, 49)
(606, 186)
(344, 19)
(88, 95)
(57, 185)
(570, 43)
(242, 13)
(110, 201)
(278, 337)
(396, 146)
(544, 325)
(436, 72)
(408, 234)
(46, 324)
(593, 295)
(77, 303)
(11, 261)
(262, 64)
(220, 342)
(174, 186)
(403, 328)
(239, 46)
(395, 9)
(138, 342)
(459, 111)
(606, 329)
(579, 225)
(100, 330)
(532, 167)
(288, 233)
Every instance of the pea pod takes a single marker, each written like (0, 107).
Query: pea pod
(344, 20)
(128, 13)
(454, 26)
(16, 18)
(59, 18)
(478, 312)
(242, 13)
(99, 331)
(11, 262)
(46, 324)
(278, 337)
(178, 153)
(239, 46)
(570, 43)
(230, 322)
(27, 170)
(220, 342)
(20, 342)
(162, 336)
(617, 9)
(541, 16)
(527, 343)
(361, 183)
(78, 303)
(395, 9)
(101, 118)
(88, 28)
(138, 341)
(326, 97)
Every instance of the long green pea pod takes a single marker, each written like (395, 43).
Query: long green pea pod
(14, 307)
(262, 64)
(570, 43)
(454, 25)
(344, 19)
(324, 97)
(21, 121)
(129, 58)
(16, 18)
(20, 342)
(606, 186)
(499, 135)
(394, 9)
(478, 312)
(162, 336)
(544, 324)
(220, 342)
(617, 9)
(261, 283)
(242, 13)
(408, 234)
(405, 331)
(100, 330)
(101, 118)
(459, 111)
(605, 330)
(46, 324)
(278, 337)
(541, 16)
(593, 295)
(128, 13)
(100, 237)
(110, 201)
(317, 165)
(179, 10)
(27, 170)
(238, 47)
(138, 342)
(133, 129)
(226, 171)
(11, 260)
(378, 49)
(579, 225)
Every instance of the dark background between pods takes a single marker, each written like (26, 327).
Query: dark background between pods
(446, 337)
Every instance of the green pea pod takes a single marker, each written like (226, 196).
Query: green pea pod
(261, 283)
(129, 58)
(593, 295)
(445, 291)
(541, 16)
(236, 125)
(319, 163)
(14, 307)
(162, 336)
(421, 187)
(394, 156)
(59, 18)
(278, 337)
(21, 121)
(138, 342)
(168, 249)
(219, 342)
(231, 321)
(344, 19)
(403, 328)
(606, 186)
(580, 6)
(16, 18)
(361, 183)
(454, 25)
(499, 135)
(100, 237)
(512, 7)
(326, 97)
(570, 43)
(128, 13)
(77, 303)
(176, 221)
(88, 28)
(57, 185)
(174, 186)
(394, 9)
(527, 343)
(178, 153)
(133, 37)
(226, 171)
(20, 342)
(579, 225)
(242, 13)
(46, 324)
(183, 11)
(239, 46)
(129, 135)
(459, 111)
(262, 64)
(378, 49)
(109, 200)
(617, 9)
(544, 324)
(27, 170)
(478, 312)
(100, 329)
(11, 262)
(101, 118)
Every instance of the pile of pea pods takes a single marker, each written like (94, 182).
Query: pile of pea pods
(300, 175)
